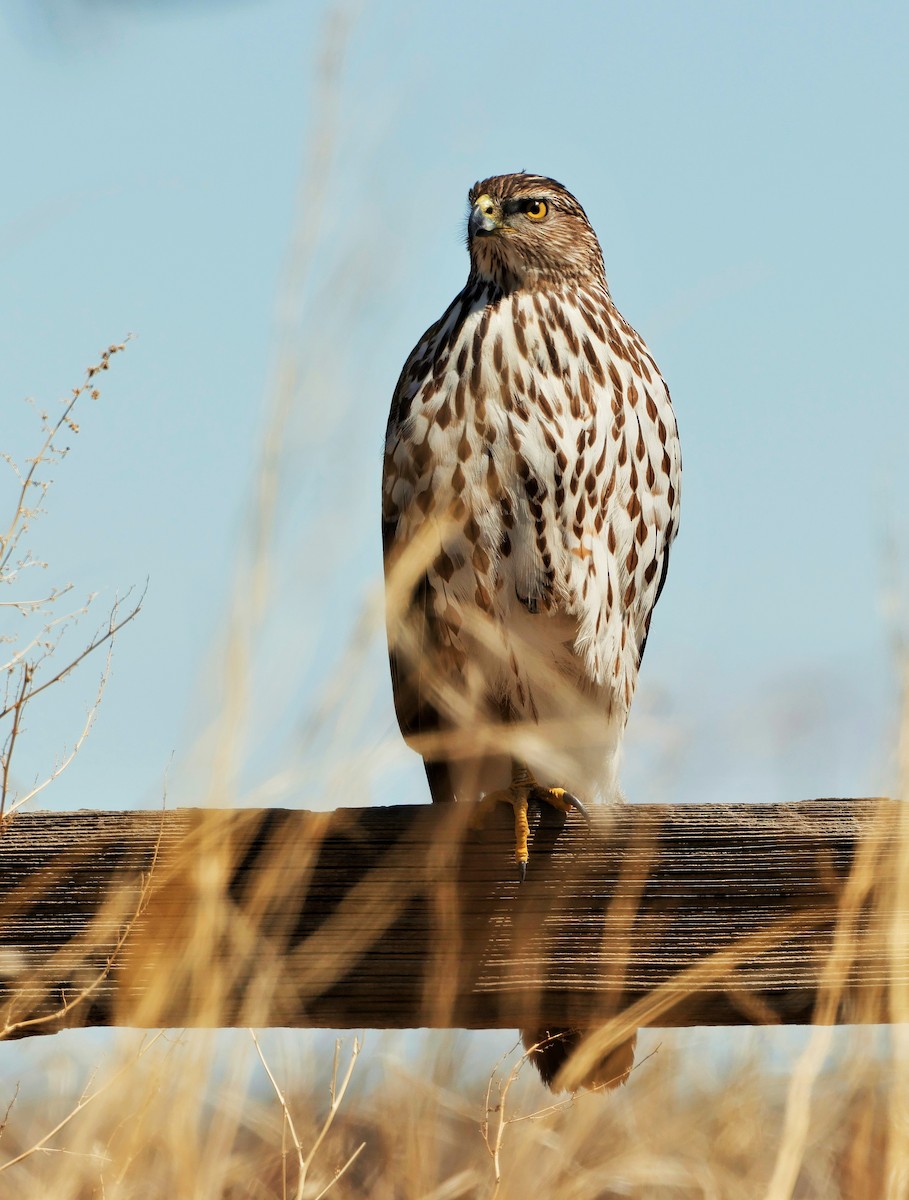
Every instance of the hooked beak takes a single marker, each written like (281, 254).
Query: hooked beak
(485, 217)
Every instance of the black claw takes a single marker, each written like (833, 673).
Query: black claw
(574, 802)
(538, 798)
(522, 871)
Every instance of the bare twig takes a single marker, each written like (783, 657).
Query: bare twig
(336, 1095)
(341, 1171)
(494, 1138)
(48, 449)
(9, 1109)
(288, 1119)
(42, 638)
(83, 1102)
(10, 744)
(25, 672)
(113, 628)
(30, 606)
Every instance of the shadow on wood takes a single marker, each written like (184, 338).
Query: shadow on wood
(406, 916)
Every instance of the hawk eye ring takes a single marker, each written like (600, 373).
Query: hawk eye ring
(536, 209)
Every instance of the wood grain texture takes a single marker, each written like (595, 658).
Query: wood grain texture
(406, 916)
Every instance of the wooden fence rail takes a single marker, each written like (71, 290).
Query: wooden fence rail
(407, 916)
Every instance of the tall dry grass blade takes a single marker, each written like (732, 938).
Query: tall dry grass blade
(863, 880)
(288, 1119)
(897, 1159)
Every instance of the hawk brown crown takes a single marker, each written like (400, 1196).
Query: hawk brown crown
(530, 498)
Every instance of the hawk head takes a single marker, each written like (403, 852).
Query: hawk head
(527, 230)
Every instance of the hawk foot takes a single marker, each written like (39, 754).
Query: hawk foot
(524, 793)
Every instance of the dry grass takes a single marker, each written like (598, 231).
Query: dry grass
(207, 1117)
(254, 1115)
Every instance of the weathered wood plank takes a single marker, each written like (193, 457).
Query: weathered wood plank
(405, 916)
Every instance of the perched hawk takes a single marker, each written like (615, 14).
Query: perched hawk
(530, 497)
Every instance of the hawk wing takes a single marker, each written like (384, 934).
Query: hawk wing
(410, 619)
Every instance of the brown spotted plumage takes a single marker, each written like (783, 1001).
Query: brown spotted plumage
(530, 498)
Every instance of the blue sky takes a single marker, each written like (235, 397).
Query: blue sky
(744, 166)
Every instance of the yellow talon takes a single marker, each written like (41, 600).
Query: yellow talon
(521, 831)
(517, 796)
(523, 792)
(556, 797)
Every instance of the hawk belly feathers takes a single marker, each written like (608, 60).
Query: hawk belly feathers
(530, 497)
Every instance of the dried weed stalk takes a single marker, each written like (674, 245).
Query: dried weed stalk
(495, 1117)
(88, 1097)
(336, 1092)
(32, 658)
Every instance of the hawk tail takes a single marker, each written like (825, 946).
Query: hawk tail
(550, 1050)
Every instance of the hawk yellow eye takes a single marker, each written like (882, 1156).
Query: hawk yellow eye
(536, 209)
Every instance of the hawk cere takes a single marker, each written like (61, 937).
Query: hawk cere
(530, 498)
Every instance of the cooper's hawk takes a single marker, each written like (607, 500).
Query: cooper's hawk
(530, 497)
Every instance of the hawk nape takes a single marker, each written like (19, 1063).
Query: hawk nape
(530, 498)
